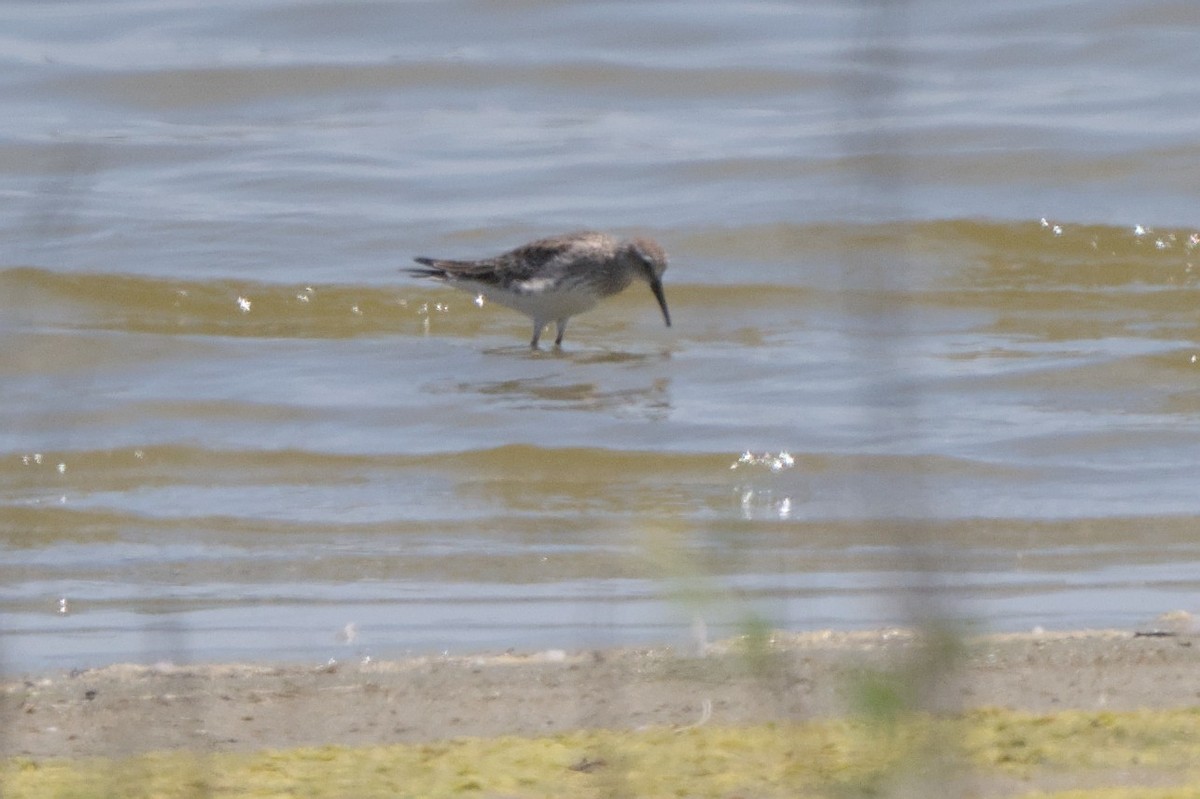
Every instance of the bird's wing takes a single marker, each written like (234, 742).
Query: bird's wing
(522, 263)
(478, 271)
(530, 258)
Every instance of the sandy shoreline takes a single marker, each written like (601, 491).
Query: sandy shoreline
(124, 710)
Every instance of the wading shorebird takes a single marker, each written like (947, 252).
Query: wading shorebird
(553, 279)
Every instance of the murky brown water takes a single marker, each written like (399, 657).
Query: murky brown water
(932, 270)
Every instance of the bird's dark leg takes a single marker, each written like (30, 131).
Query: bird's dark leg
(537, 333)
(562, 328)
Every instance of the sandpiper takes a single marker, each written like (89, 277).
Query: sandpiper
(552, 279)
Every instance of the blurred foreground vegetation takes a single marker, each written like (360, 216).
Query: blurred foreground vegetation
(1148, 754)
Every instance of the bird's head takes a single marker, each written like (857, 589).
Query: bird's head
(648, 262)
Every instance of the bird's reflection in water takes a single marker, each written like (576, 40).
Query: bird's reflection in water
(581, 357)
(651, 401)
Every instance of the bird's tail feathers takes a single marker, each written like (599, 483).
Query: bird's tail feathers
(415, 272)
(430, 267)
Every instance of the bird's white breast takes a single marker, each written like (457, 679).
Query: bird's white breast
(542, 299)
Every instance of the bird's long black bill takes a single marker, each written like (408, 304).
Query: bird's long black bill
(656, 287)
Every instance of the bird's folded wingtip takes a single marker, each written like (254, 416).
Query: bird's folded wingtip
(422, 271)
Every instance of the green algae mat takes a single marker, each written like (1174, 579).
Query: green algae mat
(1132, 755)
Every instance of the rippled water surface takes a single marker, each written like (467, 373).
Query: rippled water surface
(935, 343)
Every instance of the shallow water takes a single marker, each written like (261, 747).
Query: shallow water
(932, 279)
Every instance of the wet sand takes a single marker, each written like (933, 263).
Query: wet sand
(125, 710)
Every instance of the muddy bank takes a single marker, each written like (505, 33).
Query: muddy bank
(123, 710)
